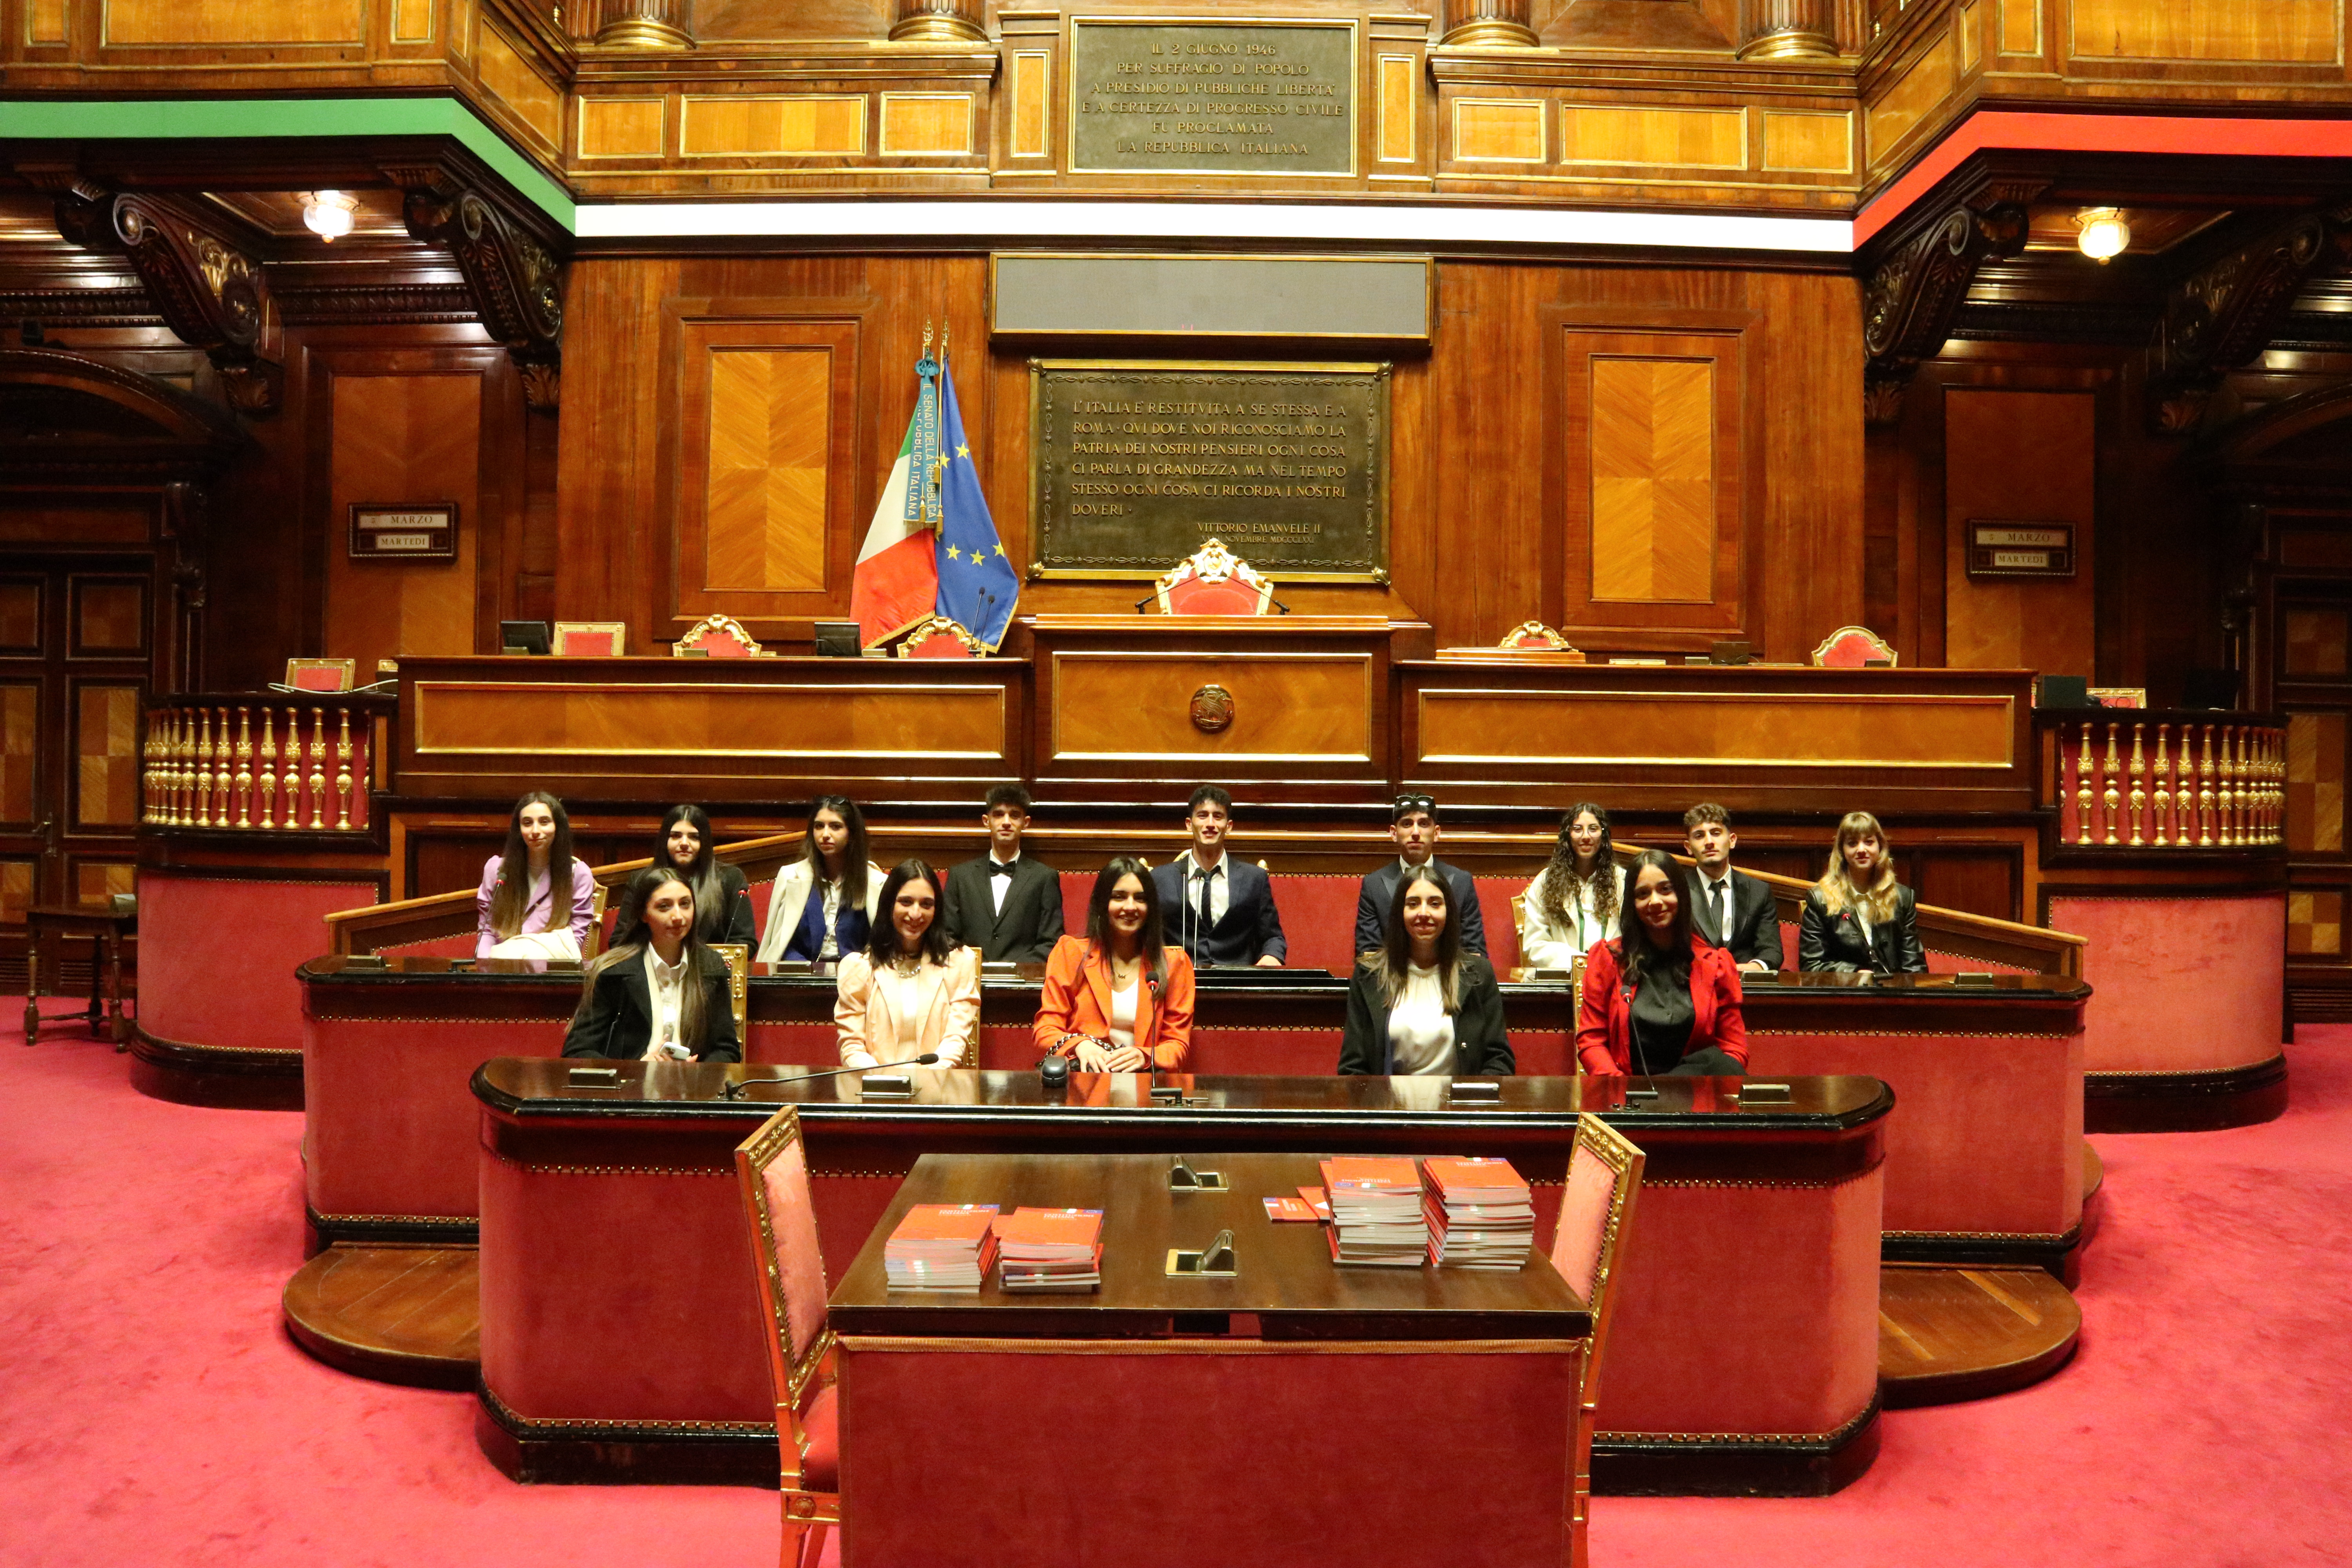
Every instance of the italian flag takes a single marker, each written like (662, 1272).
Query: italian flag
(897, 578)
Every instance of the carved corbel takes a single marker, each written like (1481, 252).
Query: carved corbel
(513, 274)
(1916, 290)
(2220, 317)
(211, 295)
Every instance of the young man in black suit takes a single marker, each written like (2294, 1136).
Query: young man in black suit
(1220, 909)
(1731, 909)
(1005, 903)
(1412, 823)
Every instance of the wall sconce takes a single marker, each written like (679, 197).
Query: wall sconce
(2104, 234)
(329, 212)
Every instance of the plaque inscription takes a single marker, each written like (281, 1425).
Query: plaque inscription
(1136, 465)
(1212, 97)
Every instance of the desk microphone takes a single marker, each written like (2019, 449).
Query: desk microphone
(735, 1090)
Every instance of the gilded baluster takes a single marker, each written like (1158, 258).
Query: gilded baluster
(318, 768)
(2116, 777)
(168, 777)
(2225, 792)
(266, 776)
(2163, 786)
(2205, 772)
(2138, 806)
(245, 767)
(362, 769)
(2278, 784)
(343, 771)
(147, 772)
(224, 776)
(185, 783)
(2241, 770)
(2083, 791)
(292, 784)
(204, 767)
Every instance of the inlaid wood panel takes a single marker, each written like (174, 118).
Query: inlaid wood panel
(1669, 138)
(20, 741)
(44, 22)
(1033, 85)
(580, 723)
(2316, 641)
(403, 438)
(1971, 42)
(20, 615)
(1653, 464)
(1501, 130)
(506, 72)
(176, 22)
(1806, 143)
(920, 122)
(1293, 707)
(1917, 92)
(2021, 457)
(1696, 729)
(2302, 32)
(106, 748)
(412, 21)
(739, 126)
(620, 127)
(764, 496)
(16, 892)
(1400, 90)
(2314, 923)
(109, 616)
(2314, 782)
(97, 881)
(2021, 26)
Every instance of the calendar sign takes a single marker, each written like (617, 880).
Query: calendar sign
(403, 531)
(2020, 549)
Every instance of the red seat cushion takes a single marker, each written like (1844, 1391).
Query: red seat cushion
(821, 1467)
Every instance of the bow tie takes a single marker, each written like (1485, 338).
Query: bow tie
(1001, 867)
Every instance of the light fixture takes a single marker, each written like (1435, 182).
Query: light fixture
(2103, 234)
(329, 212)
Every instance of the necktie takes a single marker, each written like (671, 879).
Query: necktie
(1206, 922)
(1715, 913)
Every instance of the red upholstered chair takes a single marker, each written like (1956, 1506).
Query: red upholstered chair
(1850, 648)
(718, 636)
(773, 1164)
(1534, 636)
(939, 637)
(1596, 1211)
(591, 639)
(1213, 582)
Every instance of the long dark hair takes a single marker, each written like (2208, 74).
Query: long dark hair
(632, 938)
(511, 899)
(1154, 936)
(882, 939)
(701, 874)
(852, 854)
(1396, 948)
(1634, 937)
(1560, 881)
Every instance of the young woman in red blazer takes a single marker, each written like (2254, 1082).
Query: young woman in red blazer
(1118, 999)
(1658, 999)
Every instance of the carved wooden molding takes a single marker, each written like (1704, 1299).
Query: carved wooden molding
(1489, 24)
(2221, 317)
(210, 294)
(1916, 291)
(513, 274)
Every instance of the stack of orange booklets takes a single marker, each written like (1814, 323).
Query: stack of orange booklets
(1480, 1212)
(941, 1246)
(1376, 1218)
(1050, 1250)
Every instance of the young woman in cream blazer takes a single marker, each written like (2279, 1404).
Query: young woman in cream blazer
(912, 991)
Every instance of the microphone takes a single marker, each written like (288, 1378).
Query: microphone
(735, 1090)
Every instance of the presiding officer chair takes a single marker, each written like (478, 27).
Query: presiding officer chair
(1596, 1211)
(1213, 581)
(772, 1165)
(939, 637)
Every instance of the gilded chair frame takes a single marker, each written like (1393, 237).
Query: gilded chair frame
(1624, 1163)
(807, 1514)
(738, 957)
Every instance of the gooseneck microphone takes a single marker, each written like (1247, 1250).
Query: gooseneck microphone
(735, 1090)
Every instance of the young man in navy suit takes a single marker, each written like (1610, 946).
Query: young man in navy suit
(1218, 909)
(1412, 823)
(1731, 909)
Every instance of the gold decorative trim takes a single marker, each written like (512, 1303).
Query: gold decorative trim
(882, 147)
(911, 1345)
(1830, 1438)
(528, 1426)
(463, 1222)
(2053, 1238)
(1791, 1183)
(530, 1168)
(1931, 701)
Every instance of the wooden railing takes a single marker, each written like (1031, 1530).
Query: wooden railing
(261, 764)
(2136, 779)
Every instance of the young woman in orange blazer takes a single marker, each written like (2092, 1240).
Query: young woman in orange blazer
(913, 991)
(1118, 999)
(1660, 1000)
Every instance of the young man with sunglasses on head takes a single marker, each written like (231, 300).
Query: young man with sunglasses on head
(1413, 824)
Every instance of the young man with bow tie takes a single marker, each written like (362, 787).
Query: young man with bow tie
(1005, 903)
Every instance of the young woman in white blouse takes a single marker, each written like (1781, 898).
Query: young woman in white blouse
(1574, 901)
(1421, 1005)
(912, 991)
(661, 995)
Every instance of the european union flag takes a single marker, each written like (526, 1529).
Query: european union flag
(978, 586)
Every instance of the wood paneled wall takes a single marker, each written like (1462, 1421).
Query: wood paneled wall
(403, 438)
(2021, 457)
(1727, 421)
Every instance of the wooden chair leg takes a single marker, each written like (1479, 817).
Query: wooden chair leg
(812, 1545)
(796, 1534)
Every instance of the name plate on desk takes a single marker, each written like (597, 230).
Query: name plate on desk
(1212, 97)
(1136, 465)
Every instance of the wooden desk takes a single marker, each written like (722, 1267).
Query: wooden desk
(606, 1205)
(106, 930)
(1474, 1371)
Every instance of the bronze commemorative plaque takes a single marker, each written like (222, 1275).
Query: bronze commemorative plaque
(1212, 97)
(1134, 465)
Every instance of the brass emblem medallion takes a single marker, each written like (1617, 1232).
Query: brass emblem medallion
(1212, 710)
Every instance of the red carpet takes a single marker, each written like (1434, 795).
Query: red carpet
(153, 1412)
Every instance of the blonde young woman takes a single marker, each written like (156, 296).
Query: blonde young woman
(1858, 919)
(1575, 901)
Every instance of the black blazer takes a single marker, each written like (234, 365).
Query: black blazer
(1755, 919)
(1481, 1046)
(1028, 926)
(1824, 943)
(618, 1021)
(1250, 929)
(1380, 891)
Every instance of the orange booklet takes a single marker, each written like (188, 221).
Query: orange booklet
(1280, 1209)
(945, 1222)
(1372, 1169)
(1050, 1227)
(1317, 1201)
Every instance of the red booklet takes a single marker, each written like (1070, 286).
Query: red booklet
(1377, 1170)
(963, 1223)
(1280, 1209)
(1318, 1202)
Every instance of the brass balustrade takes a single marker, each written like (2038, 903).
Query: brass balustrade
(2218, 781)
(201, 765)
